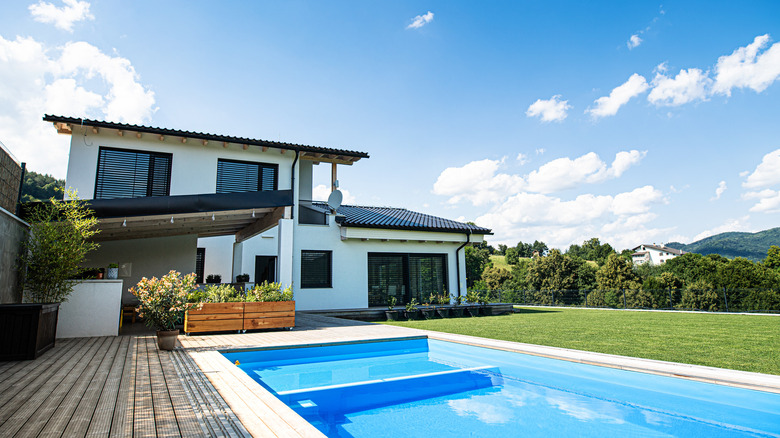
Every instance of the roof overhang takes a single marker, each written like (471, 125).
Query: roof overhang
(242, 215)
(66, 125)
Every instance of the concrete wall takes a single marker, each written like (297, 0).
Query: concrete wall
(145, 258)
(219, 257)
(12, 232)
(10, 179)
(93, 309)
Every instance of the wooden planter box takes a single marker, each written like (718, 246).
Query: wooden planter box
(27, 330)
(221, 317)
(214, 317)
(275, 314)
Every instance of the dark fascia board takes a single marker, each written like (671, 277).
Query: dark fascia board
(202, 136)
(182, 204)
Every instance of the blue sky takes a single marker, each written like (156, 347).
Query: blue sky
(634, 122)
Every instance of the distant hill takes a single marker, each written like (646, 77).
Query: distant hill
(751, 246)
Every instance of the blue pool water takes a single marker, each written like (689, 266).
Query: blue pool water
(431, 388)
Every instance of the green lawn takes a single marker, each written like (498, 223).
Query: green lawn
(740, 342)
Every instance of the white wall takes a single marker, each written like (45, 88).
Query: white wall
(93, 309)
(147, 257)
(193, 168)
(350, 264)
(265, 244)
(219, 256)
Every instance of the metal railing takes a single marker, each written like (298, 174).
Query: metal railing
(711, 300)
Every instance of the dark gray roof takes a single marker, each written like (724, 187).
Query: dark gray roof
(202, 136)
(397, 219)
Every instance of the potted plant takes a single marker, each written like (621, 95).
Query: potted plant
(213, 279)
(472, 298)
(113, 271)
(162, 302)
(427, 310)
(443, 300)
(391, 313)
(51, 257)
(100, 273)
(457, 310)
(411, 310)
(242, 278)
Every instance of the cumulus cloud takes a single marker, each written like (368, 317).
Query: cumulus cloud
(719, 191)
(609, 105)
(634, 41)
(767, 172)
(550, 110)
(75, 80)
(688, 86)
(63, 17)
(522, 158)
(320, 192)
(481, 183)
(420, 20)
(746, 68)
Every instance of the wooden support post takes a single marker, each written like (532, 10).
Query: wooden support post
(333, 176)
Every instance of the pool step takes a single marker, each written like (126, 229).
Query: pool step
(358, 396)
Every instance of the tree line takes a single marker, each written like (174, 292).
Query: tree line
(595, 274)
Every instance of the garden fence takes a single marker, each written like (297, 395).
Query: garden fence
(713, 300)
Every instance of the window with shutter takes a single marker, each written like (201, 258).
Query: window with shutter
(124, 173)
(245, 176)
(405, 276)
(316, 269)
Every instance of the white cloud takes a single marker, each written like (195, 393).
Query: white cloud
(768, 204)
(609, 105)
(540, 151)
(522, 158)
(767, 172)
(480, 182)
(719, 191)
(634, 41)
(550, 110)
(75, 80)
(321, 192)
(63, 17)
(745, 68)
(738, 224)
(420, 20)
(688, 86)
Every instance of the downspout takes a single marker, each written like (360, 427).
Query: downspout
(292, 183)
(21, 187)
(457, 260)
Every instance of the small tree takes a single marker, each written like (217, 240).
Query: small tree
(56, 245)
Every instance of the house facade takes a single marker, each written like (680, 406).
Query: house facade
(212, 204)
(654, 254)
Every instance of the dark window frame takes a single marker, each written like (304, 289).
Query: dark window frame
(260, 171)
(200, 264)
(152, 187)
(406, 271)
(306, 283)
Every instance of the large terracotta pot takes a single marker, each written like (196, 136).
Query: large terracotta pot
(166, 339)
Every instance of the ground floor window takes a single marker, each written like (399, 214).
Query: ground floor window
(405, 276)
(316, 269)
(200, 260)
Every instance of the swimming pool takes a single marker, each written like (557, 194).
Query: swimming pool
(426, 387)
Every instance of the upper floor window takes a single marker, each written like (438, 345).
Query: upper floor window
(123, 173)
(245, 176)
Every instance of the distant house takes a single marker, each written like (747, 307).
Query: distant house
(654, 254)
(215, 204)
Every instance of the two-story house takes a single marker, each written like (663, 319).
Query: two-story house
(654, 254)
(196, 202)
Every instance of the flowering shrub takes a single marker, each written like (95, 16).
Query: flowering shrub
(163, 301)
(266, 292)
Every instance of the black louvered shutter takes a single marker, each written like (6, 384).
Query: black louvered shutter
(315, 269)
(200, 262)
(427, 275)
(242, 176)
(125, 173)
(386, 279)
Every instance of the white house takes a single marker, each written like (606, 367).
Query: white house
(654, 254)
(214, 204)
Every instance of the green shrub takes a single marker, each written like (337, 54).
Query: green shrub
(267, 292)
(222, 293)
